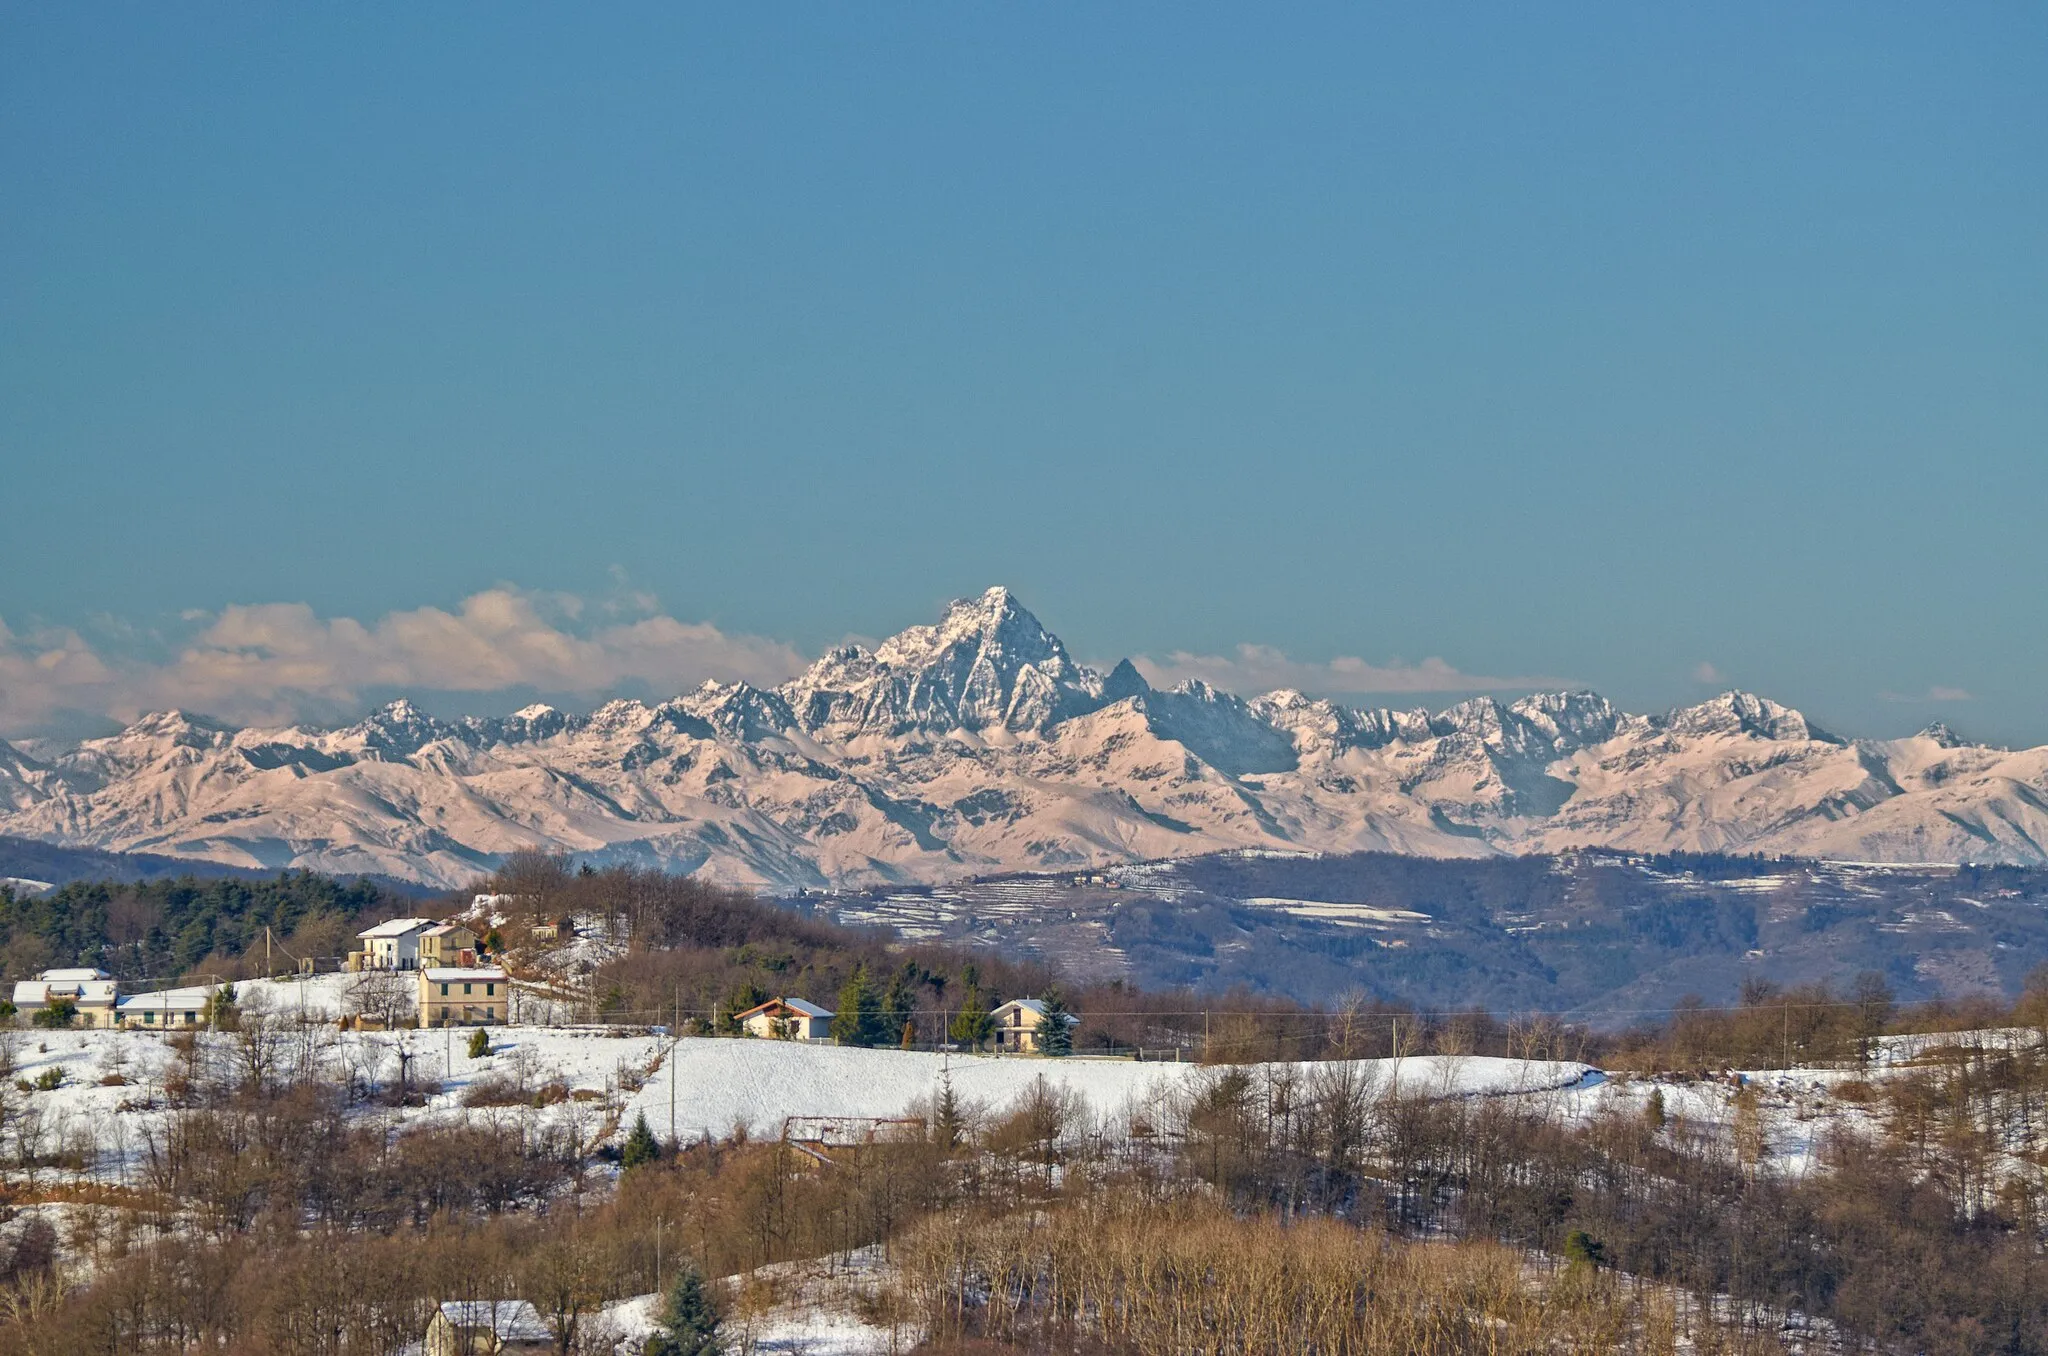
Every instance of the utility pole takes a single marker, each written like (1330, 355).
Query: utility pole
(658, 1222)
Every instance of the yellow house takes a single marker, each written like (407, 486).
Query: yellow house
(453, 995)
(444, 943)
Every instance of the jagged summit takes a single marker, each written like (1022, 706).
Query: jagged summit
(987, 663)
(977, 743)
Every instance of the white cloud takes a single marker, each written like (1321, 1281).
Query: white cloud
(1704, 672)
(273, 661)
(1262, 668)
(1938, 693)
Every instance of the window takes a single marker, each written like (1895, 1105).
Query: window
(490, 990)
(444, 991)
(465, 988)
(149, 1018)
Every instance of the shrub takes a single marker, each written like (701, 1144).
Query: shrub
(479, 1043)
(59, 1012)
(50, 1079)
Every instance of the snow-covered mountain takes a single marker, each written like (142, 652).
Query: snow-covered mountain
(979, 744)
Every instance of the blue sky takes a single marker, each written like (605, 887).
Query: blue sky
(1648, 350)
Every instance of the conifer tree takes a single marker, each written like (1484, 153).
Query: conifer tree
(973, 1025)
(946, 1120)
(900, 1001)
(859, 1019)
(689, 1321)
(479, 1043)
(641, 1145)
(1055, 1025)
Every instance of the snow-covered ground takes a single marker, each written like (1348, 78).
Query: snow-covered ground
(720, 1085)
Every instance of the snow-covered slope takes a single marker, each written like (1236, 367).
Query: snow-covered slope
(979, 744)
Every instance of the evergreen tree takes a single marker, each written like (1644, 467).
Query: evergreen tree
(946, 1121)
(1055, 1025)
(900, 1002)
(641, 1145)
(859, 1019)
(689, 1321)
(479, 1043)
(973, 1024)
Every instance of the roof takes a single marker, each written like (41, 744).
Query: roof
(444, 929)
(73, 976)
(169, 1000)
(796, 1005)
(450, 974)
(507, 1320)
(395, 927)
(37, 992)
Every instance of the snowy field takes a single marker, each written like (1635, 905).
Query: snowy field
(110, 1085)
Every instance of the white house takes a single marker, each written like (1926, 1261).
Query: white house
(1017, 1023)
(170, 1010)
(93, 992)
(789, 1019)
(391, 945)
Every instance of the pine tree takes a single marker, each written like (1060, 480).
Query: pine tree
(973, 1025)
(947, 1121)
(689, 1322)
(859, 1019)
(479, 1043)
(641, 1145)
(1055, 1025)
(900, 1001)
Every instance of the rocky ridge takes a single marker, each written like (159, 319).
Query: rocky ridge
(979, 744)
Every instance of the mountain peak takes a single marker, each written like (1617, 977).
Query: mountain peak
(1942, 735)
(987, 662)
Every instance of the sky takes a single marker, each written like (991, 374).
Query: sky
(1395, 352)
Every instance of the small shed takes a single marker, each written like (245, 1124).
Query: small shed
(487, 1328)
(788, 1019)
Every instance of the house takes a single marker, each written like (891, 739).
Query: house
(168, 1010)
(1017, 1023)
(788, 1019)
(447, 944)
(487, 1328)
(454, 995)
(92, 992)
(391, 945)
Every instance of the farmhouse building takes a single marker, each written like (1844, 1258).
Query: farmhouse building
(453, 995)
(1017, 1024)
(447, 944)
(92, 992)
(391, 945)
(168, 1010)
(487, 1328)
(788, 1019)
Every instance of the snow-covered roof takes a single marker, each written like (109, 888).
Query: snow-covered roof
(35, 993)
(507, 1320)
(444, 929)
(395, 927)
(796, 1005)
(73, 976)
(169, 1000)
(451, 974)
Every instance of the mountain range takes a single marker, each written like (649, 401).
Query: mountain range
(980, 745)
